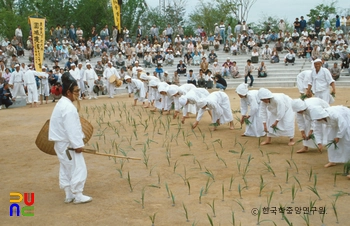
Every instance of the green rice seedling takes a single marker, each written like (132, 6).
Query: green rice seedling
(211, 133)
(315, 180)
(175, 166)
(306, 218)
(245, 182)
(143, 197)
(290, 166)
(262, 153)
(167, 189)
(296, 167)
(258, 215)
(194, 223)
(303, 96)
(135, 134)
(209, 173)
(231, 181)
(189, 144)
(242, 150)
(275, 129)
(332, 143)
(151, 170)
(294, 192)
(188, 186)
(158, 174)
(172, 198)
(269, 168)
(199, 164)
(129, 182)
(240, 188)
(201, 192)
(296, 179)
(186, 212)
(239, 167)
(310, 173)
(235, 143)
(281, 190)
(212, 206)
(223, 161)
(145, 160)
(334, 207)
(312, 204)
(153, 218)
(207, 186)
(210, 220)
(223, 192)
(240, 204)
(314, 190)
(346, 168)
(184, 178)
(335, 179)
(247, 122)
(203, 136)
(322, 216)
(262, 185)
(269, 199)
(287, 176)
(120, 172)
(268, 157)
(233, 151)
(168, 158)
(291, 153)
(287, 220)
(233, 218)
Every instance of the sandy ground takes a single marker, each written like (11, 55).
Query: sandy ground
(24, 168)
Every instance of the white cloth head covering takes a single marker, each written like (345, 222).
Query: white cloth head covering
(153, 82)
(172, 90)
(318, 113)
(127, 77)
(264, 94)
(298, 105)
(242, 89)
(317, 60)
(163, 87)
(144, 76)
(73, 64)
(183, 101)
(201, 103)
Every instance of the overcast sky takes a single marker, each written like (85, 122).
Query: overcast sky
(289, 9)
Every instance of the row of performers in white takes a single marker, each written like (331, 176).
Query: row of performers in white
(264, 113)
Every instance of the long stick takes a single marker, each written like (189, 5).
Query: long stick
(91, 151)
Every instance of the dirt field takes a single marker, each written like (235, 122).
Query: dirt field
(173, 170)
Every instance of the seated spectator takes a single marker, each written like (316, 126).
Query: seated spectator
(176, 78)
(227, 46)
(181, 68)
(147, 60)
(201, 79)
(159, 72)
(196, 59)
(5, 95)
(188, 58)
(167, 78)
(205, 43)
(289, 58)
(345, 63)
(209, 80)
(204, 65)
(216, 44)
(226, 68)
(220, 82)
(191, 78)
(178, 49)
(216, 69)
(327, 53)
(234, 49)
(169, 58)
(279, 45)
(307, 51)
(262, 72)
(335, 71)
(274, 56)
(255, 56)
(159, 58)
(212, 56)
(56, 92)
(120, 62)
(99, 68)
(250, 44)
(315, 53)
(266, 53)
(234, 70)
(301, 51)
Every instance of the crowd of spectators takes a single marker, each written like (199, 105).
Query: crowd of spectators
(155, 49)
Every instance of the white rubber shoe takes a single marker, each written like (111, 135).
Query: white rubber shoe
(80, 199)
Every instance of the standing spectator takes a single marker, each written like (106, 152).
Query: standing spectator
(72, 33)
(297, 25)
(343, 23)
(222, 31)
(282, 25)
(249, 68)
(201, 79)
(318, 25)
(326, 24)
(337, 21)
(335, 71)
(180, 31)
(16, 82)
(302, 23)
(79, 33)
(19, 34)
(169, 32)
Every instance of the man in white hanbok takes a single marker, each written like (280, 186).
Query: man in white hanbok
(219, 103)
(66, 131)
(32, 89)
(137, 87)
(309, 127)
(250, 99)
(16, 82)
(176, 92)
(319, 82)
(90, 77)
(277, 115)
(155, 97)
(44, 89)
(302, 81)
(81, 83)
(338, 120)
(164, 99)
(108, 72)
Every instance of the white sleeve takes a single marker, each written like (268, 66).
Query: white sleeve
(244, 107)
(263, 112)
(200, 114)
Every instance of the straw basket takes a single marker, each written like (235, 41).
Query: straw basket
(43, 143)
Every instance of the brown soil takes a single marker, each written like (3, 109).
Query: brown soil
(26, 169)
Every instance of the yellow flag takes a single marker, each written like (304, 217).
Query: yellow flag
(116, 14)
(38, 36)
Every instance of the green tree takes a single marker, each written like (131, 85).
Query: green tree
(175, 12)
(323, 11)
(153, 16)
(262, 24)
(132, 11)
(239, 8)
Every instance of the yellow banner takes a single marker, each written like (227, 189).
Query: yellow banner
(116, 14)
(38, 36)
